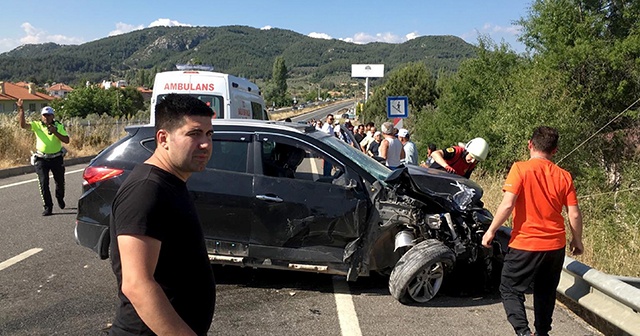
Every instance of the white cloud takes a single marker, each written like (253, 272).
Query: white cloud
(123, 28)
(266, 28)
(320, 36)
(168, 23)
(412, 35)
(363, 38)
(7, 44)
(496, 32)
(510, 30)
(35, 36)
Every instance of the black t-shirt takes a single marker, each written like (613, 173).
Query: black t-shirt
(374, 147)
(156, 203)
(358, 137)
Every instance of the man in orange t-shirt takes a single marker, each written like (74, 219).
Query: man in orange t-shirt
(536, 192)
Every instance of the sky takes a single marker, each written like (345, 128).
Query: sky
(77, 22)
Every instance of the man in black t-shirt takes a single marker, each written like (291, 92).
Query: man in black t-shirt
(359, 134)
(158, 253)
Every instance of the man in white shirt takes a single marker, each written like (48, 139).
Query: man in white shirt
(329, 129)
(410, 150)
(368, 139)
(328, 125)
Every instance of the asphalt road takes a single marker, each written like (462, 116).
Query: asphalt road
(50, 285)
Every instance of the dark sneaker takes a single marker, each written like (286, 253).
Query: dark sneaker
(61, 203)
(47, 211)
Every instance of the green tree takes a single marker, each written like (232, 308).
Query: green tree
(276, 91)
(593, 46)
(94, 100)
(467, 106)
(413, 80)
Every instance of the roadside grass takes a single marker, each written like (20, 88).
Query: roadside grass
(611, 219)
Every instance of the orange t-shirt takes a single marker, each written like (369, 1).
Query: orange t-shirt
(543, 189)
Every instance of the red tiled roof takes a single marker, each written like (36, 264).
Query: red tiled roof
(60, 87)
(14, 92)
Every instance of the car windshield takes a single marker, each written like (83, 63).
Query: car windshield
(373, 167)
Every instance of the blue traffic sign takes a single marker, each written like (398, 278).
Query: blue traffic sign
(397, 107)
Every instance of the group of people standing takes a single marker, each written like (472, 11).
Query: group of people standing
(394, 147)
(390, 145)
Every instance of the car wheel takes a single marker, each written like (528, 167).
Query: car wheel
(418, 275)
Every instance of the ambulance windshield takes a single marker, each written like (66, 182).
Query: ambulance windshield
(214, 101)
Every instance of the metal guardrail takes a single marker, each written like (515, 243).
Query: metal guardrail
(604, 295)
(612, 298)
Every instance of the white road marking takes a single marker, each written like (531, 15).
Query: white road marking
(36, 180)
(314, 169)
(20, 257)
(349, 325)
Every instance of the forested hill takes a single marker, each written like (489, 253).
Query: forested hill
(239, 50)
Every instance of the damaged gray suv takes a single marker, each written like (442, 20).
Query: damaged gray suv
(286, 196)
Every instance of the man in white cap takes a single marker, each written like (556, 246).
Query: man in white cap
(50, 134)
(410, 150)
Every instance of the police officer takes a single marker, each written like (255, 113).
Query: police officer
(50, 134)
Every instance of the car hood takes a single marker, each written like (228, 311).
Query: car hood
(448, 189)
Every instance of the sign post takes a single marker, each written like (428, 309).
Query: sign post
(397, 109)
(366, 71)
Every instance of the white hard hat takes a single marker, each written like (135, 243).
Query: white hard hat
(478, 148)
(46, 110)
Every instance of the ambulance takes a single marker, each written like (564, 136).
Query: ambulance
(230, 97)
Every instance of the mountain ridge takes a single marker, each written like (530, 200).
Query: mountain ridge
(240, 50)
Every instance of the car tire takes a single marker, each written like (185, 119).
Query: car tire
(418, 275)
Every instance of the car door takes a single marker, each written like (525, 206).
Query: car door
(223, 194)
(303, 214)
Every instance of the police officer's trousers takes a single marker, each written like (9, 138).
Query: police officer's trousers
(56, 167)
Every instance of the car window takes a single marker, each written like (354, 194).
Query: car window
(258, 111)
(230, 152)
(373, 167)
(290, 159)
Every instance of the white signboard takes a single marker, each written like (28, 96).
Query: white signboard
(367, 70)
